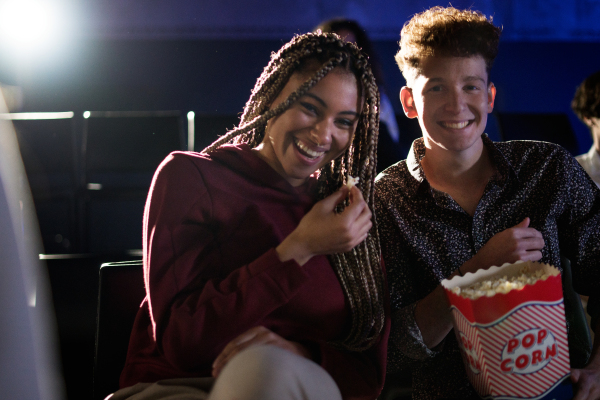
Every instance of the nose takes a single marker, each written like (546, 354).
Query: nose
(322, 131)
(456, 101)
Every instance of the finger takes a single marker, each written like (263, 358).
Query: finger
(233, 344)
(587, 386)
(231, 352)
(575, 373)
(222, 359)
(360, 232)
(330, 202)
(364, 222)
(263, 336)
(366, 212)
(527, 233)
(354, 230)
(364, 237)
(218, 367)
(361, 239)
(532, 256)
(223, 355)
(355, 194)
(357, 204)
(529, 244)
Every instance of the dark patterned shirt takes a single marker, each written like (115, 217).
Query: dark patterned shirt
(425, 236)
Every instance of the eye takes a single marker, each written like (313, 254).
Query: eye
(309, 107)
(471, 88)
(437, 88)
(344, 122)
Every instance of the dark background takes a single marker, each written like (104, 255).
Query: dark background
(215, 77)
(201, 56)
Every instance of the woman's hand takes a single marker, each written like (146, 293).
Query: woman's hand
(323, 231)
(518, 243)
(255, 336)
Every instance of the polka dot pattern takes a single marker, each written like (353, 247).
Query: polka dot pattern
(425, 236)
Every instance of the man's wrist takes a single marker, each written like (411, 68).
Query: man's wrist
(470, 265)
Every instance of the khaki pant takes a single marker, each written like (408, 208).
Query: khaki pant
(258, 373)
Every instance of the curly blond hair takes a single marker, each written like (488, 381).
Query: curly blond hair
(315, 55)
(446, 32)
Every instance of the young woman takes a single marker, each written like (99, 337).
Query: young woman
(262, 266)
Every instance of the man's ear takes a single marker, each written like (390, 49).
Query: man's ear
(589, 121)
(408, 102)
(491, 97)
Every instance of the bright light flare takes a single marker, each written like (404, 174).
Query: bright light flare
(29, 26)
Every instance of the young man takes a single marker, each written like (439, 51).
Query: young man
(586, 104)
(459, 202)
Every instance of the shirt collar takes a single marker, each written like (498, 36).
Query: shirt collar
(417, 152)
(594, 158)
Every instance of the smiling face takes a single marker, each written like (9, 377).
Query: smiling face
(451, 98)
(315, 129)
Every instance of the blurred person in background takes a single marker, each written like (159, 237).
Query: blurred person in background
(586, 105)
(388, 149)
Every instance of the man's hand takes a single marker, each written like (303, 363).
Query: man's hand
(252, 337)
(587, 382)
(519, 243)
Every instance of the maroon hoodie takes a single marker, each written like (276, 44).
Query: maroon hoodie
(211, 226)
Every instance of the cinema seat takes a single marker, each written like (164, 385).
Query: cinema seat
(121, 291)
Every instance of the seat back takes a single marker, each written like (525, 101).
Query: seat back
(120, 152)
(120, 294)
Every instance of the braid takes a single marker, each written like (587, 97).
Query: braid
(359, 270)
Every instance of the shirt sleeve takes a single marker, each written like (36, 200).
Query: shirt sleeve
(406, 343)
(406, 336)
(579, 230)
(193, 308)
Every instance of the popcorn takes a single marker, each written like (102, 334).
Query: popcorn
(509, 322)
(503, 284)
(352, 181)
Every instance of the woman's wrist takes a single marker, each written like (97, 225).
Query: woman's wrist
(291, 249)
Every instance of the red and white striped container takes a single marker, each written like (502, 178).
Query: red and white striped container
(514, 345)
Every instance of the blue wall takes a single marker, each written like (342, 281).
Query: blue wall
(216, 76)
(531, 77)
(205, 56)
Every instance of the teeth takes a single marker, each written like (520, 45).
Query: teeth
(456, 125)
(310, 152)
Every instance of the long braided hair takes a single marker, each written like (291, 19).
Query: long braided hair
(358, 270)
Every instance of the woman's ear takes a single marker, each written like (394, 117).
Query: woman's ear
(408, 102)
(491, 97)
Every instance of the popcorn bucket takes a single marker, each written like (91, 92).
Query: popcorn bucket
(514, 344)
